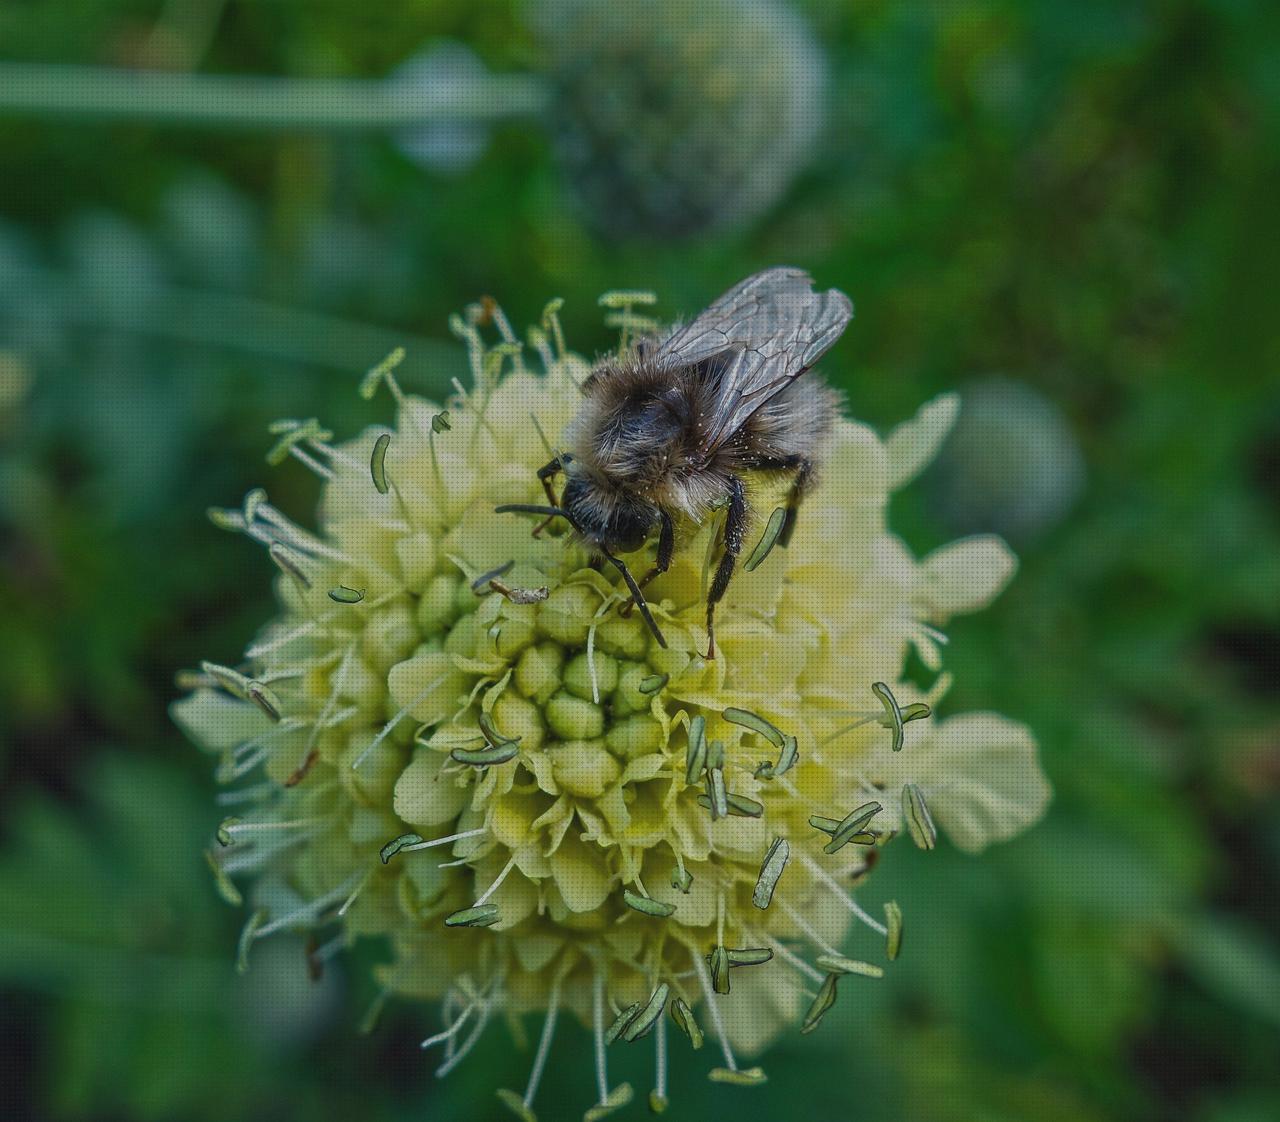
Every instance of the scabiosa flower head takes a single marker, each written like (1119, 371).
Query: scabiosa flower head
(456, 736)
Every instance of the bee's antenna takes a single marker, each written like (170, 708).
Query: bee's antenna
(637, 596)
(533, 508)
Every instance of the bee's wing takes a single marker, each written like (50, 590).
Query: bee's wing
(765, 333)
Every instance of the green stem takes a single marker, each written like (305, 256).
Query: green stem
(233, 100)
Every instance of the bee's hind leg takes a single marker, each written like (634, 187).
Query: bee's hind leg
(799, 484)
(734, 526)
(666, 550)
(545, 475)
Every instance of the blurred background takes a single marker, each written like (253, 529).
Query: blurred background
(1067, 212)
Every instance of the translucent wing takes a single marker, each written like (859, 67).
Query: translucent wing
(756, 340)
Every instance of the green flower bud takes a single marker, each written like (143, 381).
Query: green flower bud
(538, 673)
(635, 736)
(577, 675)
(436, 608)
(567, 613)
(572, 718)
(584, 768)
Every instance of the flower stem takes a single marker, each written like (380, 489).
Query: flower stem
(242, 101)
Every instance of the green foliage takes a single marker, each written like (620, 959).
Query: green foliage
(1076, 198)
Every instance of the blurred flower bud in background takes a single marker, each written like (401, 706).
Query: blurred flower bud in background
(1011, 465)
(673, 120)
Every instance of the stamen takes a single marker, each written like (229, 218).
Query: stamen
(248, 934)
(619, 1097)
(260, 649)
(749, 956)
(391, 724)
(551, 323)
(747, 1077)
(719, 959)
(591, 651)
(893, 937)
(775, 861)
(716, 1023)
(717, 797)
(344, 595)
(642, 1024)
(252, 500)
(796, 961)
(487, 757)
(378, 463)
(653, 683)
(308, 912)
(838, 964)
(265, 700)
(850, 826)
(544, 1045)
(370, 1019)
(658, 1096)
(413, 847)
(518, 595)
(394, 846)
(621, 1021)
(230, 520)
(681, 879)
(497, 883)
(232, 681)
(737, 805)
(685, 1021)
(755, 723)
(226, 889)
(919, 821)
(452, 1030)
(823, 1002)
(646, 905)
(440, 422)
(292, 433)
(359, 888)
(597, 1008)
(287, 565)
(477, 916)
(767, 540)
(309, 461)
(821, 874)
(696, 751)
(486, 1007)
(787, 757)
(383, 372)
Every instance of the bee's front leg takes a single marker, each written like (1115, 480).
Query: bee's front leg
(734, 525)
(666, 550)
(545, 474)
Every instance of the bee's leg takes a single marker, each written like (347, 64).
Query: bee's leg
(545, 475)
(596, 562)
(666, 550)
(734, 525)
(799, 484)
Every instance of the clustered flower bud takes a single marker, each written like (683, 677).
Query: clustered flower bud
(456, 735)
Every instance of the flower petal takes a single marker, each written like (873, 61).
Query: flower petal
(983, 779)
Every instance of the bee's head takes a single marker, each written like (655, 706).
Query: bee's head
(614, 519)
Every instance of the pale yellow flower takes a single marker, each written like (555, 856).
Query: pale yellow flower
(534, 876)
